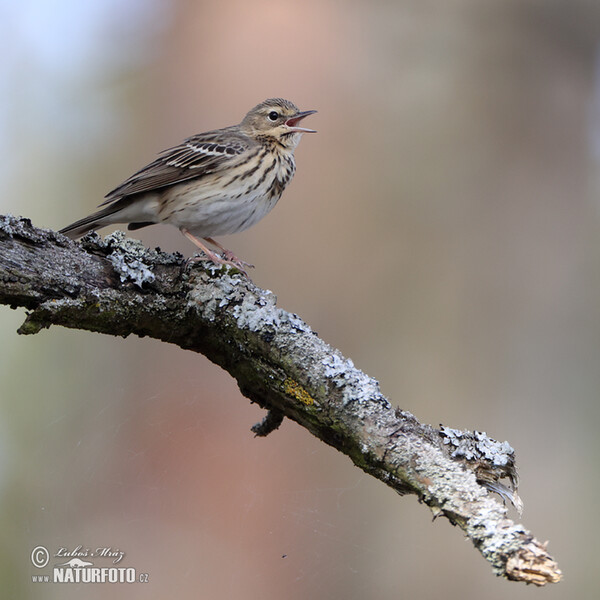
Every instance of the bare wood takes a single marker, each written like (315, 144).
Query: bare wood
(117, 287)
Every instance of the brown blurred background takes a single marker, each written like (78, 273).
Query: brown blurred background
(441, 230)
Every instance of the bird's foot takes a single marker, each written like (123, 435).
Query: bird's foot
(231, 261)
(229, 257)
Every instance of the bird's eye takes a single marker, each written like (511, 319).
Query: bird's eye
(273, 115)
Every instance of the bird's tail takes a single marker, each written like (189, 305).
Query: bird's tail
(106, 216)
(125, 210)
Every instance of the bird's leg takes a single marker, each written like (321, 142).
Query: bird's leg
(209, 253)
(229, 255)
(230, 258)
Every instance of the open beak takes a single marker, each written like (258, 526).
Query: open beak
(292, 123)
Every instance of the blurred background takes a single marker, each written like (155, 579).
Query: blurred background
(441, 231)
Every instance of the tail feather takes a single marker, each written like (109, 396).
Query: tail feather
(96, 221)
(138, 214)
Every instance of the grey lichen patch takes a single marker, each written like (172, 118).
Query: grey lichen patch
(213, 268)
(119, 241)
(257, 312)
(476, 445)
(485, 527)
(220, 294)
(12, 225)
(336, 366)
(491, 461)
(267, 301)
(252, 310)
(135, 249)
(22, 227)
(127, 258)
(131, 269)
(355, 385)
(437, 478)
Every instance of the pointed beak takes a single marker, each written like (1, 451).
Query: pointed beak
(292, 122)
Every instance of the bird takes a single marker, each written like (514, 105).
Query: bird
(214, 183)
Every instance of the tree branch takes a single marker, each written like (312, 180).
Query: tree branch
(118, 287)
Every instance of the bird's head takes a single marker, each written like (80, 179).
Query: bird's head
(279, 119)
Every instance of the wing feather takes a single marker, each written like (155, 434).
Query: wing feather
(195, 157)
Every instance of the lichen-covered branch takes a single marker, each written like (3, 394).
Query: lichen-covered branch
(116, 286)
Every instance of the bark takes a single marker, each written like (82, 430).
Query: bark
(118, 287)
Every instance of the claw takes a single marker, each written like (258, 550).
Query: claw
(230, 258)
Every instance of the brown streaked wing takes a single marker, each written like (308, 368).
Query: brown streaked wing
(194, 157)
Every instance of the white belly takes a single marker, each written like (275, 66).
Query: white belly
(207, 209)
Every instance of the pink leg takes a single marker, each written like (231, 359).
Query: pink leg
(230, 258)
(229, 255)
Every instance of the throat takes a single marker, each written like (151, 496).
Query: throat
(283, 166)
(284, 171)
(284, 145)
